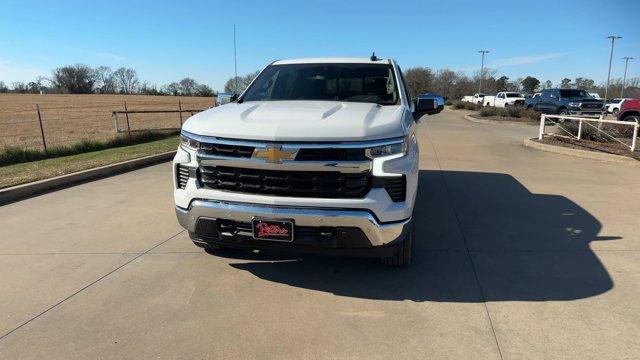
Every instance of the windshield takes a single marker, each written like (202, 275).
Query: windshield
(513, 95)
(573, 93)
(370, 83)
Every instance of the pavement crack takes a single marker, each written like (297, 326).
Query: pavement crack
(88, 285)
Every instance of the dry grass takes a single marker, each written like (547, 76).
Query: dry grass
(68, 119)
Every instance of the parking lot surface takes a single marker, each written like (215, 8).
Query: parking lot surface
(518, 254)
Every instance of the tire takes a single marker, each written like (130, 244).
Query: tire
(563, 112)
(402, 257)
(615, 111)
(632, 118)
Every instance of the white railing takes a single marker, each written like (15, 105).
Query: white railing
(544, 118)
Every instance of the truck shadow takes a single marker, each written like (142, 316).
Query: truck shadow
(471, 229)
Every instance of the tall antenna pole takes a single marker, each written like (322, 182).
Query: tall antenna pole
(235, 59)
(624, 78)
(481, 70)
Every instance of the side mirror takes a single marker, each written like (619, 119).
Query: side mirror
(234, 97)
(425, 105)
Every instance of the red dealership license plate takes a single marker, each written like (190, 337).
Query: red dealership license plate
(273, 229)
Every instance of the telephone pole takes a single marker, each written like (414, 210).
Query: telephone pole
(624, 78)
(613, 40)
(481, 69)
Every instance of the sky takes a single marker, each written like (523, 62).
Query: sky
(166, 41)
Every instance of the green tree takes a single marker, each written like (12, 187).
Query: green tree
(74, 79)
(419, 80)
(502, 83)
(565, 83)
(529, 84)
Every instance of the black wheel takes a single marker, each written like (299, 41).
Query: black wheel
(402, 257)
(615, 112)
(632, 118)
(563, 112)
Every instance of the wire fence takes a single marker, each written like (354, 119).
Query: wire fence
(47, 125)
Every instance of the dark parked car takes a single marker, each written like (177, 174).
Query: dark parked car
(630, 110)
(567, 102)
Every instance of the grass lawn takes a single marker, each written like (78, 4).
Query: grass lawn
(17, 174)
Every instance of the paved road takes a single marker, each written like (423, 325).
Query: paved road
(519, 254)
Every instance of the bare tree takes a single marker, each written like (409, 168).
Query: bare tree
(3, 87)
(187, 86)
(105, 80)
(126, 80)
(243, 83)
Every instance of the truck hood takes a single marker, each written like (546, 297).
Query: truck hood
(302, 121)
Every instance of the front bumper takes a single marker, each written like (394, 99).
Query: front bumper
(374, 233)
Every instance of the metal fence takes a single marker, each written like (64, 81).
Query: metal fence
(610, 135)
(44, 126)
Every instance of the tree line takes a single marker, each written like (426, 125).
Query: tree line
(454, 85)
(83, 79)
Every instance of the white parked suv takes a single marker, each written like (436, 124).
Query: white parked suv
(316, 155)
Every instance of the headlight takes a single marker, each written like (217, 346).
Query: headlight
(189, 143)
(574, 104)
(399, 147)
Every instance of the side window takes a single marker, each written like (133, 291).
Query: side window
(501, 96)
(545, 94)
(404, 85)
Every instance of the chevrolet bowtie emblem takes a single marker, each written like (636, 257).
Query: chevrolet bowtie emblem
(274, 154)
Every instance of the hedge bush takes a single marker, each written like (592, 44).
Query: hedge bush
(511, 111)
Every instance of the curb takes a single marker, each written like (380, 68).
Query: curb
(21, 192)
(585, 154)
(486, 121)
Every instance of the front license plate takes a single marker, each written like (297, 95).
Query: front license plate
(273, 229)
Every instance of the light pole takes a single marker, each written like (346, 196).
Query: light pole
(481, 70)
(624, 78)
(613, 40)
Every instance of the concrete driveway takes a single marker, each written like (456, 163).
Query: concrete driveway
(519, 254)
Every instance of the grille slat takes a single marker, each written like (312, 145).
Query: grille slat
(227, 150)
(183, 176)
(325, 184)
(396, 188)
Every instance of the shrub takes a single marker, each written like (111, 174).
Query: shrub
(471, 106)
(488, 111)
(457, 104)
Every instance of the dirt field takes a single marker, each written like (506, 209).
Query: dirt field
(71, 118)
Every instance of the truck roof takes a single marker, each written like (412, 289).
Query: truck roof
(332, 60)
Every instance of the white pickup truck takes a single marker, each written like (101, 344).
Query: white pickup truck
(504, 99)
(476, 98)
(316, 155)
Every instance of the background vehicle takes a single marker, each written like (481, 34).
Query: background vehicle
(630, 110)
(567, 102)
(317, 155)
(594, 95)
(223, 98)
(613, 105)
(476, 98)
(530, 101)
(504, 99)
